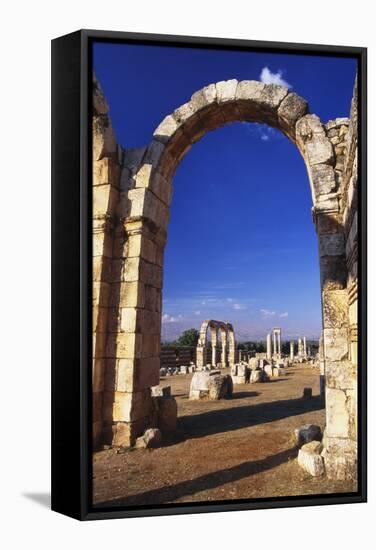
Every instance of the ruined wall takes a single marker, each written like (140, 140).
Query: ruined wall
(172, 356)
(106, 170)
(341, 366)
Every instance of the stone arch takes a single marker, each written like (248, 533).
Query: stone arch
(144, 195)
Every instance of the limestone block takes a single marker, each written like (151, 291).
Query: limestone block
(332, 244)
(268, 369)
(308, 127)
(335, 308)
(333, 272)
(124, 375)
(256, 376)
(226, 90)
(100, 106)
(105, 171)
(146, 373)
(220, 387)
(336, 344)
(124, 434)
(203, 98)
(272, 96)
(184, 112)
(239, 379)
(128, 295)
(128, 319)
(151, 439)
(128, 407)
(310, 460)
(249, 90)
(319, 151)
(291, 109)
(340, 457)
(323, 178)
(253, 363)
(104, 141)
(337, 414)
(128, 346)
(139, 245)
(166, 129)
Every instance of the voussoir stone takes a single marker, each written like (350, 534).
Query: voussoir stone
(292, 108)
(166, 129)
(226, 90)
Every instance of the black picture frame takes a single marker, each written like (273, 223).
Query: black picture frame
(71, 274)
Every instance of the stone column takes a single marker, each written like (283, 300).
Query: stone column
(224, 355)
(300, 347)
(274, 343)
(268, 346)
(279, 343)
(201, 352)
(292, 351)
(304, 346)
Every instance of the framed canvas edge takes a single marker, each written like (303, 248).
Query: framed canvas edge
(86, 510)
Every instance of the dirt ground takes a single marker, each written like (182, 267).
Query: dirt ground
(228, 449)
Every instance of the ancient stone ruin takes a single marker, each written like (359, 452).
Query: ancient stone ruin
(131, 199)
(222, 347)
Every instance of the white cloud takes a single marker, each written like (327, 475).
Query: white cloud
(284, 314)
(197, 312)
(266, 313)
(264, 137)
(239, 306)
(268, 77)
(166, 318)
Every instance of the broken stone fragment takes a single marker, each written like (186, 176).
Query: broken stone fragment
(150, 439)
(310, 460)
(307, 433)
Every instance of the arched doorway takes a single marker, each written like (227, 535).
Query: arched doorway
(141, 192)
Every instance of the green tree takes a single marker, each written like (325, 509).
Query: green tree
(188, 338)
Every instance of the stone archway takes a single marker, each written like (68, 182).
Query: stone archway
(129, 278)
(223, 347)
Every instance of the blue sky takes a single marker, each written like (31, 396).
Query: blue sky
(241, 243)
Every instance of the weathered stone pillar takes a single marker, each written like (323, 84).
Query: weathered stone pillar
(304, 346)
(201, 353)
(106, 175)
(300, 347)
(274, 343)
(279, 344)
(268, 346)
(224, 354)
(292, 350)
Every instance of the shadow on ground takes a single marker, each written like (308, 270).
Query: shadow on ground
(204, 482)
(236, 418)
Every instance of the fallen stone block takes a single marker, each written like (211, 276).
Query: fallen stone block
(310, 460)
(150, 439)
(256, 376)
(211, 385)
(307, 433)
